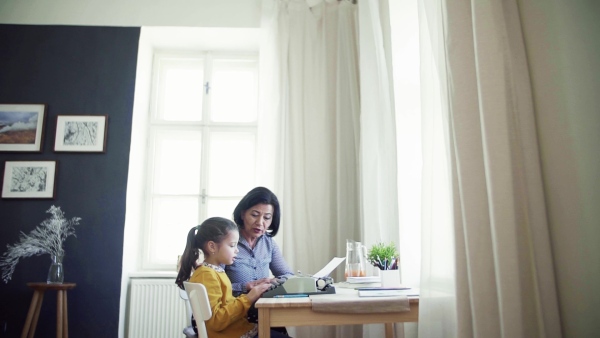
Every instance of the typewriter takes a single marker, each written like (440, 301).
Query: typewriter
(300, 285)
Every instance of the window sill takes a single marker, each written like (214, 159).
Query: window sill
(153, 274)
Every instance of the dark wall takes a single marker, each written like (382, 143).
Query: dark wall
(74, 70)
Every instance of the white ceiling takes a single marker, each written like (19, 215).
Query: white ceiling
(191, 13)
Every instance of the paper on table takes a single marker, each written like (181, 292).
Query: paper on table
(329, 267)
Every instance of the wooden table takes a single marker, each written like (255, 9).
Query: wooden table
(62, 322)
(298, 312)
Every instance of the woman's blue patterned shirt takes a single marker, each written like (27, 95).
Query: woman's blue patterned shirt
(252, 264)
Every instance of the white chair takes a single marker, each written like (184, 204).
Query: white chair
(188, 330)
(198, 299)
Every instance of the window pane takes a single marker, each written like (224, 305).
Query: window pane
(231, 163)
(234, 91)
(221, 207)
(181, 85)
(177, 162)
(172, 218)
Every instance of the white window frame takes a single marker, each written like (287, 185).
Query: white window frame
(205, 126)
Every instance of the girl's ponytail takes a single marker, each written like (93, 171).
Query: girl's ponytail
(213, 229)
(189, 258)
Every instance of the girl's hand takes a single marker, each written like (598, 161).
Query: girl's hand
(252, 284)
(257, 291)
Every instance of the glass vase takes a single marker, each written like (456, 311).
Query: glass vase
(56, 274)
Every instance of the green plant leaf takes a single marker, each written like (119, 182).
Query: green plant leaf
(381, 255)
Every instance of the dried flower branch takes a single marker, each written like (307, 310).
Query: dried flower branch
(48, 238)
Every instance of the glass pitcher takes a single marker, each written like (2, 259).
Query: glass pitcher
(356, 254)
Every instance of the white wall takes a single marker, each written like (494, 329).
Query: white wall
(563, 46)
(193, 13)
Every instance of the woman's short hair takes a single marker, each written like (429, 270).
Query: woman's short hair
(259, 195)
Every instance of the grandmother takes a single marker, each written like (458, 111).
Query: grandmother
(257, 216)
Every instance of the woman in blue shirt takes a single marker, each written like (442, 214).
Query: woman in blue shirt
(257, 216)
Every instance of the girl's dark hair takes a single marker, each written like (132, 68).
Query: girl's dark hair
(259, 195)
(213, 229)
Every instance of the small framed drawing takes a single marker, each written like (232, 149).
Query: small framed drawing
(22, 127)
(80, 133)
(29, 179)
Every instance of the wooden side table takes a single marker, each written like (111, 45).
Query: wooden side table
(62, 322)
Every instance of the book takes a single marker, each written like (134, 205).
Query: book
(363, 280)
(386, 292)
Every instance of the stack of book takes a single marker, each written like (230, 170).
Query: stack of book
(363, 280)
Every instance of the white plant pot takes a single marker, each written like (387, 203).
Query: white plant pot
(390, 278)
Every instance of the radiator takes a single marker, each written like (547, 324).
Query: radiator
(155, 309)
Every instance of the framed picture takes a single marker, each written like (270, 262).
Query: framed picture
(80, 133)
(29, 179)
(22, 127)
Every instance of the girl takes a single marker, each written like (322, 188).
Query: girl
(217, 238)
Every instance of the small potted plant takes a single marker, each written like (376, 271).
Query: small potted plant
(385, 257)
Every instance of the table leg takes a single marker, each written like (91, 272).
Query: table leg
(30, 313)
(65, 317)
(36, 315)
(264, 323)
(59, 314)
(389, 330)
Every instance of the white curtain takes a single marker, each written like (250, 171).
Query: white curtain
(309, 61)
(477, 96)
(379, 197)
(378, 153)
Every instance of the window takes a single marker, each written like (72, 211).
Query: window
(201, 146)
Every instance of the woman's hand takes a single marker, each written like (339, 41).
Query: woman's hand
(257, 290)
(251, 284)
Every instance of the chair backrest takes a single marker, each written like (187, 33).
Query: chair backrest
(198, 299)
(188, 330)
(188, 308)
